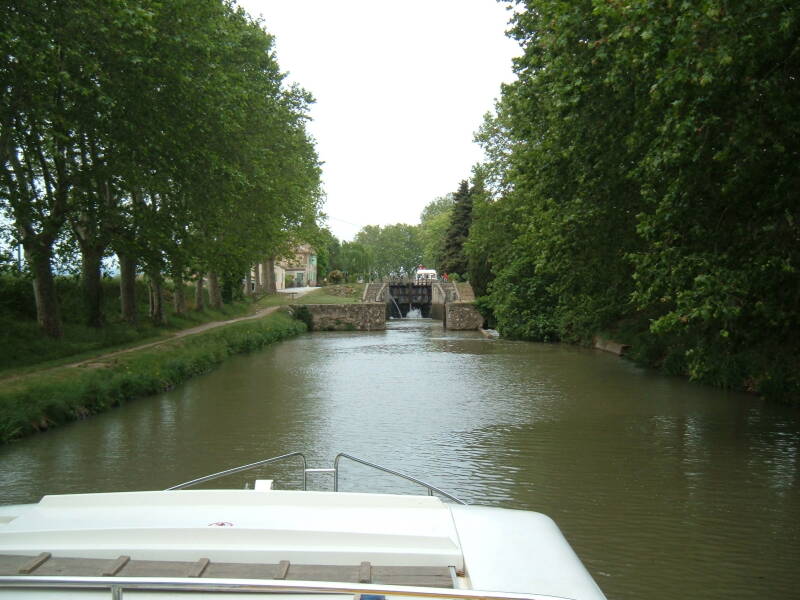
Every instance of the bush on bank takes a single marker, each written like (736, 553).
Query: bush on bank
(72, 393)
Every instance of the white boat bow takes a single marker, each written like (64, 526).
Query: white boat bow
(269, 541)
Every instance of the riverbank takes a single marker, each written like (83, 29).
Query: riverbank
(43, 399)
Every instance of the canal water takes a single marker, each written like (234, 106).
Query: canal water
(665, 489)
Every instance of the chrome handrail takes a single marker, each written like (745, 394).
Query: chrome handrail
(431, 488)
(116, 585)
(266, 461)
(335, 470)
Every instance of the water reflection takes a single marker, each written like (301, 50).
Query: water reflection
(664, 488)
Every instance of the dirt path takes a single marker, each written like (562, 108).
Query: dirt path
(101, 360)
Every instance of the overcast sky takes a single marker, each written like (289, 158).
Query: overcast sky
(400, 89)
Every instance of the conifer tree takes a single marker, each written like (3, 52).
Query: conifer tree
(454, 259)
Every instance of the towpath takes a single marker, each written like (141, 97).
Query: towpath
(101, 359)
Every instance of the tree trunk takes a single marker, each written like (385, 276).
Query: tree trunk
(269, 276)
(259, 285)
(48, 313)
(214, 292)
(91, 264)
(199, 294)
(127, 287)
(248, 283)
(157, 300)
(179, 295)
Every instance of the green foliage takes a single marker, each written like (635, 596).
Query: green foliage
(355, 260)
(483, 233)
(302, 313)
(70, 394)
(644, 169)
(160, 130)
(22, 344)
(333, 294)
(328, 250)
(484, 307)
(454, 258)
(335, 276)
(393, 250)
(522, 304)
(434, 222)
(16, 297)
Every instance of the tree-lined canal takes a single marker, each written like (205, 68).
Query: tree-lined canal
(664, 488)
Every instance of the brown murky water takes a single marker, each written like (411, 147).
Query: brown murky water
(665, 489)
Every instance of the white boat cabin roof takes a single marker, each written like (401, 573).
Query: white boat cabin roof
(292, 535)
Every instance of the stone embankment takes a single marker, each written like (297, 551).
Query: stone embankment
(365, 316)
(609, 346)
(462, 316)
(453, 303)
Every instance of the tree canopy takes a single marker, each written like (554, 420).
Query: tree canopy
(394, 250)
(159, 130)
(642, 178)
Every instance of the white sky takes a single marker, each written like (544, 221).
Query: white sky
(400, 89)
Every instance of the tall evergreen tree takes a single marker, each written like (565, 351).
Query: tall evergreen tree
(454, 258)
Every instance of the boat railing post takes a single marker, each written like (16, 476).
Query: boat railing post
(431, 488)
(266, 461)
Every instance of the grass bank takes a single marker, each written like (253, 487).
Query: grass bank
(24, 348)
(330, 294)
(41, 400)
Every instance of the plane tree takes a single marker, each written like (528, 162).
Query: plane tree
(53, 111)
(395, 250)
(159, 130)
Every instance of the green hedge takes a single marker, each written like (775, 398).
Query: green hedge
(72, 393)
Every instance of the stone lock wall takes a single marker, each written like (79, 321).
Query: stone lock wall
(366, 316)
(461, 315)
(610, 346)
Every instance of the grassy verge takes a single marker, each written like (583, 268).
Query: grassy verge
(24, 348)
(27, 350)
(42, 400)
(332, 294)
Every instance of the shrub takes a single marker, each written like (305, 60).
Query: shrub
(302, 313)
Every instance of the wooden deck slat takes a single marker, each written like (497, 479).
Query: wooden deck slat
(115, 566)
(34, 563)
(365, 572)
(157, 568)
(218, 570)
(283, 570)
(59, 566)
(198, 568)
(438, 577)
(343, 573)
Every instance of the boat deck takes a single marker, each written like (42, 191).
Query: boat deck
(45, 564)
